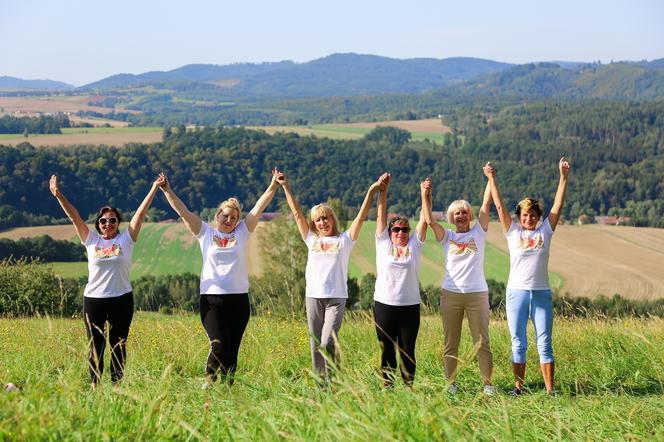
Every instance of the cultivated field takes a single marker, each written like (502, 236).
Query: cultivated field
(109, 136)
(605, 260)
(609, 383)
(51, 104)
(431, 129)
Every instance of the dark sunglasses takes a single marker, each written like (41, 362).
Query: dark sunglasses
(400, 229)
(111, 220)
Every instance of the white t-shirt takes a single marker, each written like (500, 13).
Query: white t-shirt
(464, 260)
(224, 260)
(327, 265)
(397, 269)
(529, 256)
(109, 261)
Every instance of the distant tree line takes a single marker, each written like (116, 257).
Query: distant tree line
(31, 288)
(43, 248)
(45, 124)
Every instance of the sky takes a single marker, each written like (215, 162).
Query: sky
(81, 41)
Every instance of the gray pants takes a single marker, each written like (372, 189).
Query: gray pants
(324, 316)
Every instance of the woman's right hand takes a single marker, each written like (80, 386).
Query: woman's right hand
(281, 178)
(53, 186)
(162, 182)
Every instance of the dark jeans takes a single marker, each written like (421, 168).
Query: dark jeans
(118, 312)
(224, 317)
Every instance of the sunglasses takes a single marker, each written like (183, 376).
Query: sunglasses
(111, 220)
(400, 229)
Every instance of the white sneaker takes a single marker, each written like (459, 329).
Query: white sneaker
(452, 389)
(489, 390)
(206, 385)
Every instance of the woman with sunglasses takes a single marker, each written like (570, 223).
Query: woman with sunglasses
(224, 286)
(326, 273)
(528, 290)
(397, 293)
(464, 289)
(108, 296)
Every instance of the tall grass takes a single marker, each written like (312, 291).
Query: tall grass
(609, 379)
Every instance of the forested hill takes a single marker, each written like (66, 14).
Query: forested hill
(616, 81)
(617, 153)
(334, 75)
(18, 83)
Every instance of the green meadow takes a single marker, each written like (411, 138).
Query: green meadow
(609, 385)
(168, 248)
(342, 132)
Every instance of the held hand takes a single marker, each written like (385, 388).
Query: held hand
(384, 181)
(564, 167)
(425, 186)
(275, 175)
(160, 181)
(53, 185)
(489, 170)
(280, 178)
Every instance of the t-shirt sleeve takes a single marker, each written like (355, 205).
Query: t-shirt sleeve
(513, 228)
(311, 239)
(91, 239)
(546, 226)
(126, 239)
(479, 230)
(204, 229)
(446, 236)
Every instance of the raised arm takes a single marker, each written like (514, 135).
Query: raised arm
(381, 212)
(559, 200)
(81, 228)
(191, 220)
(298, 216)
(485, 209)
(421, 227)
(251, 220)
(356, 226)
(503, 213)
(137, 220)
(427, 199)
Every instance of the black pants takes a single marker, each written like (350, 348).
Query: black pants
(397, 326)
(224, 317)
(118, 312)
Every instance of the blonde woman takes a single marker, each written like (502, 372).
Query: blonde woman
(528, 290)
(464, 289)
(224, 286)
(327, 272)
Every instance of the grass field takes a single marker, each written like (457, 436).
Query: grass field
(110, 136)
(430, 129)
(609, 383)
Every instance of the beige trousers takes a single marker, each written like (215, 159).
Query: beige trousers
(476, 307)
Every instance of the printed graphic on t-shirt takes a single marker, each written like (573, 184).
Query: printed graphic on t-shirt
(325, 247)
(462, 248)
(400, 252)
(224, 241)
(531, 243)
(108, 252)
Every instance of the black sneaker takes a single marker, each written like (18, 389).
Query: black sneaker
(516, 392)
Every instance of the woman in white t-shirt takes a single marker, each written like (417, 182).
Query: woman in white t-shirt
(327, 272)
(528, 291)
(397, 293)
(464, 289)
(108, 296)
(224, 286)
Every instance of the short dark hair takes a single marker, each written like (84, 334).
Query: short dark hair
(396, 219)
(103, 210)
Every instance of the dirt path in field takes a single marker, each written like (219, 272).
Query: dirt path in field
(118, 139)
(604, 260)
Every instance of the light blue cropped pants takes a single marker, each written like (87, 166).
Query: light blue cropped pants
(537, 304)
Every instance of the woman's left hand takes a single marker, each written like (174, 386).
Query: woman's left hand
(564, 167)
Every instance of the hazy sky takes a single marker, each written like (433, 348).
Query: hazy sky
(80, 41)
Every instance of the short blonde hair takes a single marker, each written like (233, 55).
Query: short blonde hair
(233, 203)
(323, 209)
(459, 205)
(528, 204)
